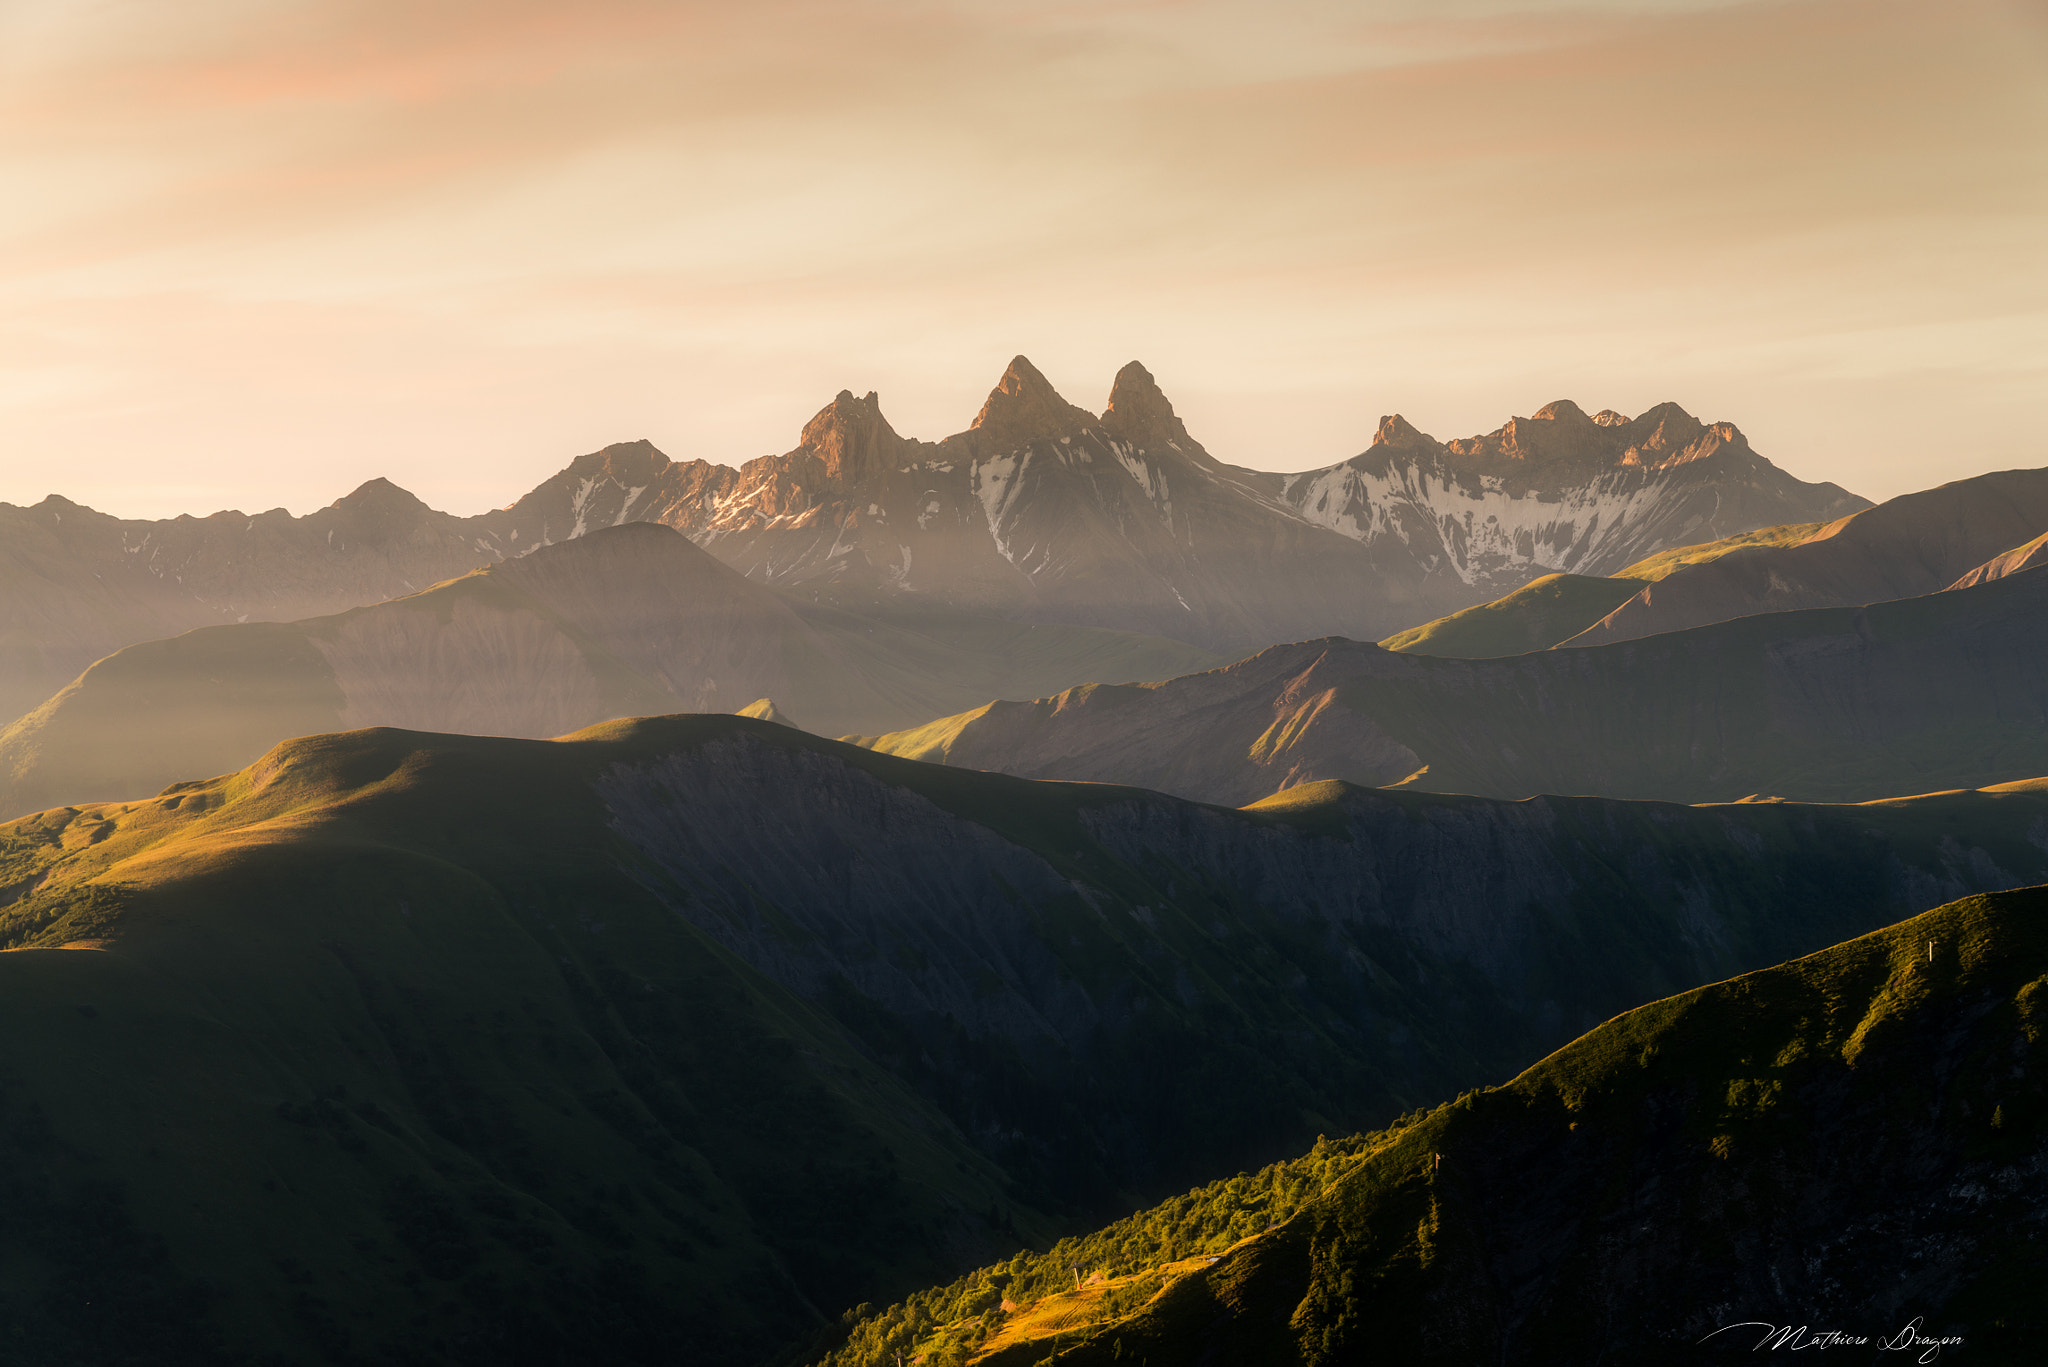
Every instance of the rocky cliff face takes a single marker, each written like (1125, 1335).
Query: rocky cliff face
(2026, 556)
(1055, 965)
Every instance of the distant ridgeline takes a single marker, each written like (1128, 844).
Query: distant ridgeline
(1946, 690)
(699, 1030)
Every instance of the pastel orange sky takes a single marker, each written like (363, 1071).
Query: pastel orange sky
(253, 252)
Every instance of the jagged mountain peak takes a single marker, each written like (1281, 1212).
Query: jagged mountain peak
(1561, 433)
(1023, 408)
(380, 496)
(1564, 412)
(1668, 435)
(1560, 430)
(852, 438)
(640, 459)
(1399, 434)
(1139, 411)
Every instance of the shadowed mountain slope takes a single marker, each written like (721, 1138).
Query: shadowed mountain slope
(1947, 690)
(631, 620)
(697, 1029)
(1914, 544)
(1848, 1144)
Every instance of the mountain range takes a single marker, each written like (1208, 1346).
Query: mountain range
(443, 1049)
(1040, 512)
(1947, 690)
(632, 620)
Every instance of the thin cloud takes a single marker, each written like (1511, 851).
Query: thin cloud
(454, 243)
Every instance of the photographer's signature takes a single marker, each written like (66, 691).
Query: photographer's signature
(1797, 1337)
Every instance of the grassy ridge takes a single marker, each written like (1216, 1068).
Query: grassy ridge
(1556, 607)
(1536, 616)
(1655, 567)
(1087, 1280)
(1844, 1141)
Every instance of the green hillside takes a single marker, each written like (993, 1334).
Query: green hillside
(1556, 607)
(1845, 1142)
(1655, 567)
(1535, 616)
(440, 1049)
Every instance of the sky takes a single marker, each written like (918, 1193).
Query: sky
(255, 252)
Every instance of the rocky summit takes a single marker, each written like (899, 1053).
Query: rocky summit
(1040, 511)
(1044, 511)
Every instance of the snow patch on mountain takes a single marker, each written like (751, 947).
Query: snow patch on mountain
(632, 497)
(1148, 477)
(996, 482)
(1484, 529)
